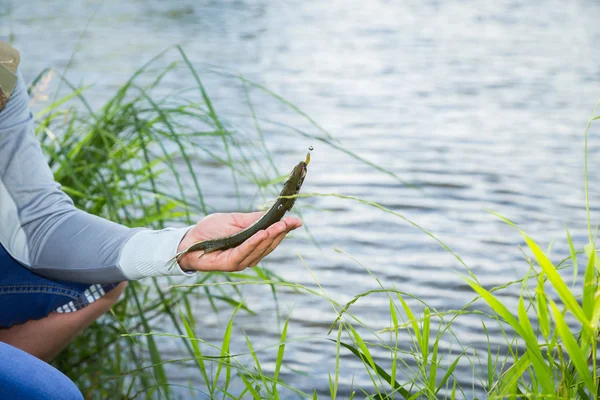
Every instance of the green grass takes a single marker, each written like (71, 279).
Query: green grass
(135, 160)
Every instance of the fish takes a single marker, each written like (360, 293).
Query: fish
(284, 203)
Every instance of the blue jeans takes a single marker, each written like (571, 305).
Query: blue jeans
(25, 296)
(24, 377)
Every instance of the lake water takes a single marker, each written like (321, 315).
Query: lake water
(482, 106)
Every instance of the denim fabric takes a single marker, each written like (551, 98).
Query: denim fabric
(24, 377)
(25, 296)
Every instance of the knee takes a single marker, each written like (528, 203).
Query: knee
(60, 388)
(27, 377)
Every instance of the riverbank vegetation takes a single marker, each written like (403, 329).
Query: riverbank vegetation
(134, 160)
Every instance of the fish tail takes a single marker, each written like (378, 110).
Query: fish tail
(173, 260)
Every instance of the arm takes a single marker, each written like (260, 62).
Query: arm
(42, 229)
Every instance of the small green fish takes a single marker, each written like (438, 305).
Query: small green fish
(274, 214)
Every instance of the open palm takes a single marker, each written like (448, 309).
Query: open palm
(246, 255)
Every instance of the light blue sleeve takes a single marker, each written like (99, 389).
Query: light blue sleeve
(41, 228)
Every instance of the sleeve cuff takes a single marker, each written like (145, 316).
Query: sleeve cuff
(147, 253)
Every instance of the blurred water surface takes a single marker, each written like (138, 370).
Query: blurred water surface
(481, 105)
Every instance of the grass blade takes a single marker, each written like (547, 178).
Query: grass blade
(542, 307)
(448, 374)
(589, 284)
(279, 359)
(411, 318)
(536, 356)
(509, 380)
(225, 356)
(433, 365)
(380, 371)
(425, 335)
(558, 283)
(542, 372)
(573, 255)
(196, 347)
(577, 357)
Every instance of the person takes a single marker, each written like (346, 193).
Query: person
(62, 268)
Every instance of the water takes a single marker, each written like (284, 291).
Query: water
(483, 106)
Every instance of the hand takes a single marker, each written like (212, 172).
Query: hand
(248, 254)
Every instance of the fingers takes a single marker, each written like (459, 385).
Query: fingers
(233, 259)
(254, 259)
(291, 224)
(272, 247)
(252, 250)
(276, 233)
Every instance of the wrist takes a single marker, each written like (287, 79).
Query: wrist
(147, 253)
